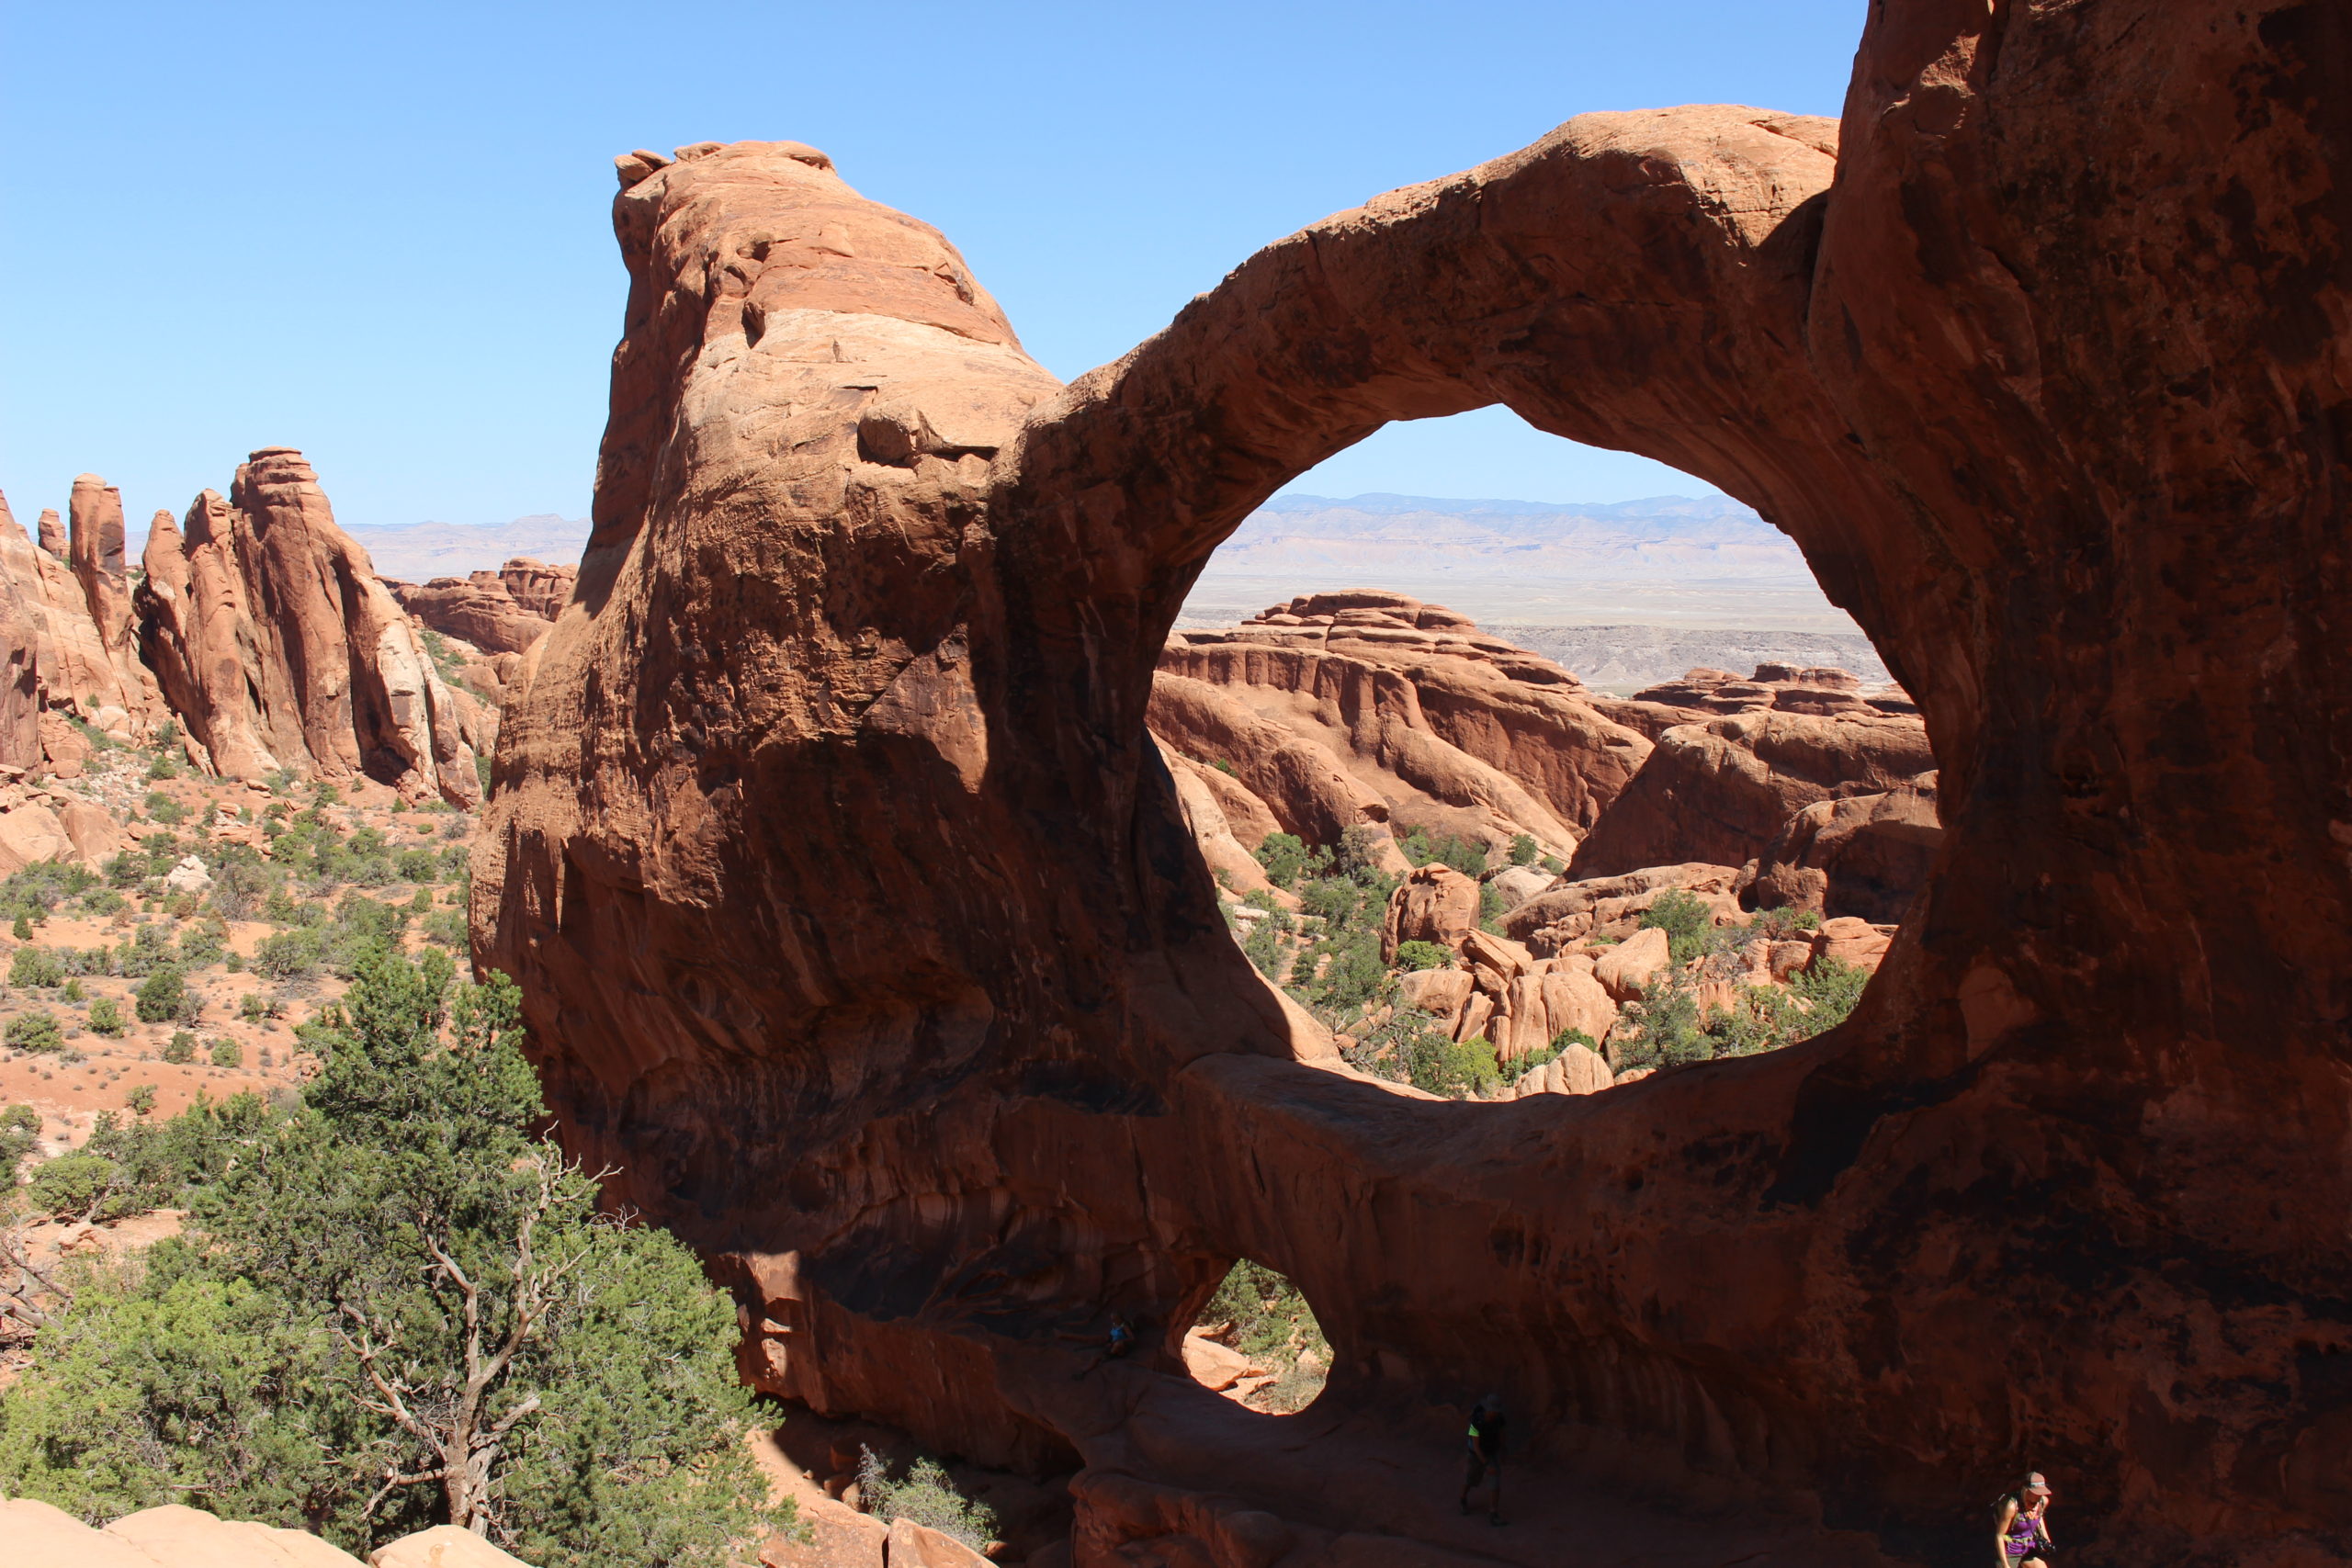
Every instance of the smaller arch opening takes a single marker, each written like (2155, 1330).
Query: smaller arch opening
(1256, 1342)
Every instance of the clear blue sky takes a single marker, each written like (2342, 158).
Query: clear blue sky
(380, 232)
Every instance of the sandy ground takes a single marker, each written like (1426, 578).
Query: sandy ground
(70, 1094)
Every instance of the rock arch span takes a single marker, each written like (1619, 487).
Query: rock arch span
(856, 920)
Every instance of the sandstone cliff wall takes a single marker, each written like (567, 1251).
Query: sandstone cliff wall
(857, 919)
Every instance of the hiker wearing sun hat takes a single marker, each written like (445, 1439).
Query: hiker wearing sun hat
(2023, 1536)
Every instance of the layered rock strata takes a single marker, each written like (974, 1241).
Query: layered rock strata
(857, 922)
(1723, 788)
(279, 648)
(1369, 708)
(497, 612)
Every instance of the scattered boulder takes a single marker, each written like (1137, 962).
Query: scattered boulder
(1625, 970)
(1516, 885)
(443, 1546)
(188, 876)
(919, 1546)
(1434, 903)
(175, 1536)
(1575, 1070)
(1852, 941)
(30, 834)
(1569, 912)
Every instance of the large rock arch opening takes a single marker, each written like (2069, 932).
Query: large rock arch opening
(856, 921)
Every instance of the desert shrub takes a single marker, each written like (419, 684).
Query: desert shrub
(1664, 1029)
(241, 886)
(203, 945)
(181, 1049)
(28, 895)
(22, 928)
(1284, 855)
(161, 995)
(419, 865)
(1264, 946)
(34, 966)
(73, 1185)
(147, 951)
(1411, 956)
(446, 927)
(1829, 989)
(1525, 849)
(1358, 852)
(231, 1366)
(256, 1006)
(1458, 1069)
(1688, 923)
(923, 1495)
(1490, 908)
(71, 991)
(139, 1100)
(1468, 856)
(227, 1052)
(1568, 1037)
(1784, 923)
(105, 1017)
(1554, 864)
(287, 955)
(162, 808)
(19, 1136)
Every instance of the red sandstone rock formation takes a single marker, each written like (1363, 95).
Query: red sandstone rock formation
(857, 920)
(498, 612)
(20, 635)
(1369, 707)
(1723, 790)
(1864, 855)
(279, 648)
(52, 533)
(76, 671)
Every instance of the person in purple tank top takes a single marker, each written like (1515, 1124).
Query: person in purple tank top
(2023, 1534)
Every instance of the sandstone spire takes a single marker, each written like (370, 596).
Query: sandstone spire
(279, 647)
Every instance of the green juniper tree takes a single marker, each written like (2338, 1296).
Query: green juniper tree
(397, 1307)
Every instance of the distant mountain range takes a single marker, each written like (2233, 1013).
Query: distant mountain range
(418, 552)
(1668, 560)
(1621, 592)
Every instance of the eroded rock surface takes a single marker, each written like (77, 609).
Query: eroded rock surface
(279, 648)
(1723, 789)
(858, 919)
(497, 612)
(1373, 709)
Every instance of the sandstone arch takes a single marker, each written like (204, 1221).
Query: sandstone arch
(855, 918)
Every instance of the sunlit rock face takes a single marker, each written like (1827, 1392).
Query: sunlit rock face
(858, 921)
(277, 646)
